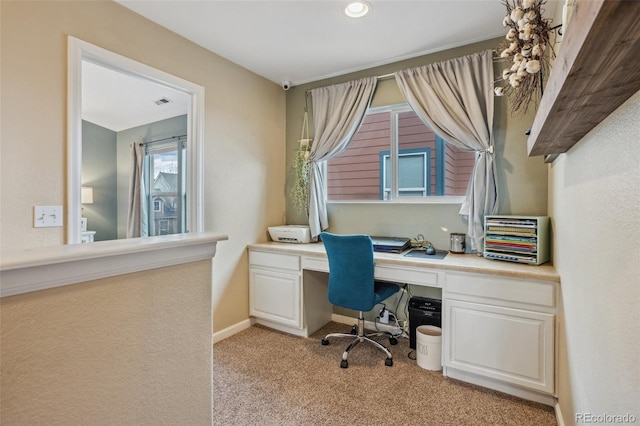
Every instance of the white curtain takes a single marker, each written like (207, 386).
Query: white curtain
(137, 212)
(338, 111)
(455, 99)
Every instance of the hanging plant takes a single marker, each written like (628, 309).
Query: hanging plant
(526, 50)
(302, 169)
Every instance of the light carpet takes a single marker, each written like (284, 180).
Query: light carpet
(264, 377)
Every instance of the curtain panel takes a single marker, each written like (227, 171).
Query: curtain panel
(455, 99)
(137, 211)
(338, 111)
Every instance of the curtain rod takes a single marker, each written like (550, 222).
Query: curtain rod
(379, 77)
(164, 139)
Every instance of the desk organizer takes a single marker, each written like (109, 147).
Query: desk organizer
(521, 239)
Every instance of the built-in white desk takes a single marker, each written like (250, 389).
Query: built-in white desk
(498, 319)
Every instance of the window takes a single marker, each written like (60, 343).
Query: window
(165, 176)
(392, 156)
(414, 167)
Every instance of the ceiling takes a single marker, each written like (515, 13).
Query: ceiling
(303, 41)
(297, 41)
(119, 101)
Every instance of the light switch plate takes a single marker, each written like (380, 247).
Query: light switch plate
(47, 216)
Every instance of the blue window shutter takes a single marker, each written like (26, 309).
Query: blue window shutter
(440, 163)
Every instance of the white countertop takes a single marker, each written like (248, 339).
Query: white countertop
(456, 262)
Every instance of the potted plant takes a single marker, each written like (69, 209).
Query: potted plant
(301, 169)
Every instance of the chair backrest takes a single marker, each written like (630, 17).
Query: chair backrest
(351, 282)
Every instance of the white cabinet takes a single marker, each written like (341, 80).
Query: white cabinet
(501, 332)
(279, 299)
(512, 345)
(275, 296)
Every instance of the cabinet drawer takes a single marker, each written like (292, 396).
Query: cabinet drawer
(315, 264)
(417, 276)
(529, 292)
(274, 260)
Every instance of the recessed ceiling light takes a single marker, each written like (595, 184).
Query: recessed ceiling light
(357, 9)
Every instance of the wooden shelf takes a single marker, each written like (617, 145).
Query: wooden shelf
(596, 70)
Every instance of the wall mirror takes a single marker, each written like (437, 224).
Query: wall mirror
(164, 118)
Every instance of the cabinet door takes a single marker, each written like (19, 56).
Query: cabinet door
(275, 296)
(507, 344)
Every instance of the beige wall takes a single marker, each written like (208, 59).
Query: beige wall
(128, 350)
(522, 181)
(243, 141)
(594, 202)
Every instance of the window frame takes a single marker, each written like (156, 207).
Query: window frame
(156, 148)
(426, 160)
(395, 109)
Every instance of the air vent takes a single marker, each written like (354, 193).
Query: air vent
(162, 101)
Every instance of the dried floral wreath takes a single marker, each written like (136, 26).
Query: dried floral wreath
(527, 49)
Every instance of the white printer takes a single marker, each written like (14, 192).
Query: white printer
(290, 233)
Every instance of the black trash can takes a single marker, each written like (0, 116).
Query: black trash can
(423, 311)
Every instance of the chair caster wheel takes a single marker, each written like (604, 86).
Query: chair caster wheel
(354, 330)
(393, 340)
(344, 363)
(388, 362)
(325, 342)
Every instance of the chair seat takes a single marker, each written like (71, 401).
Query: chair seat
(383, 290)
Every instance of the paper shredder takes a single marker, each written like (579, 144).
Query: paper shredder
(423, 311)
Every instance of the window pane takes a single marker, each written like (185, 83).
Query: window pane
(426, 164)
(166, 192)
(411, 171)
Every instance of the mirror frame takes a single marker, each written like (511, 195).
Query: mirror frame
(79, 51)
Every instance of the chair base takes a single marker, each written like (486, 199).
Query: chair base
(361, 337)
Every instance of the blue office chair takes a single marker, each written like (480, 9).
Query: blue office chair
(352, 286)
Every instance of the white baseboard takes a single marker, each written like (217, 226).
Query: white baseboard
(342, 319)
(559, 417)
(234, 329)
